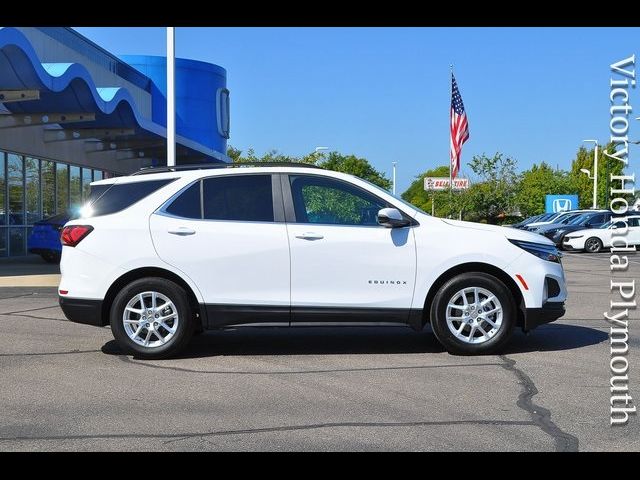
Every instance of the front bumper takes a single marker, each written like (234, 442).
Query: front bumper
(549, 312)
(81, 310)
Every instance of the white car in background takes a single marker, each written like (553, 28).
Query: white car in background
(593, 240)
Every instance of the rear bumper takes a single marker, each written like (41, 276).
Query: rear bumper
(549, 312)
(81, 310)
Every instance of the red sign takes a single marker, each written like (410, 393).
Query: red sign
(442, 183)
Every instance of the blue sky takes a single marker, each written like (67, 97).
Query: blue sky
(384, 93)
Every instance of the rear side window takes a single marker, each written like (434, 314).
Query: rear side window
(96, 190)
(238, 197)
(121, 196)
(187, 204)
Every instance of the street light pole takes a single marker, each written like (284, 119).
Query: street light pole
(595, 173)
(317, 151)
(394, 178)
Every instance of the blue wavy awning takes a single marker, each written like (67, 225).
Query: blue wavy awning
(70, 88)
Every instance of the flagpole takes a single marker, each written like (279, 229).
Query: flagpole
(450, 173)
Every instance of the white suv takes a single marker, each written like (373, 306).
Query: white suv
(169, 251)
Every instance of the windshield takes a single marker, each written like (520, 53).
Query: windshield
(569, 218)
(545, 217)
(556, 216)
(529, 220)
(579, 220)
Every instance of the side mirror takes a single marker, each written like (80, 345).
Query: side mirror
(392, 218)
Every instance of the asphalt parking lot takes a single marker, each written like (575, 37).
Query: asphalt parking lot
(65, 386)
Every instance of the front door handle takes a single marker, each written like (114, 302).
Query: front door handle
(182, 231)
(310, 236)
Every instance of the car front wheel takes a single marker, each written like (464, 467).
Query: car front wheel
(151, 318)
(473, 313)
(593, 245)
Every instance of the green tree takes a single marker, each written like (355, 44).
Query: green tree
(492, 195)
(360, 167)
(538, 181)
(251, 157)
(416, 194)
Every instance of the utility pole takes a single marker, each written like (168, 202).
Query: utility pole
(595, 173)
(394, 178)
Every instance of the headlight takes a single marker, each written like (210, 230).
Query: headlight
(540, 250)
(557, 234)
(571, 237)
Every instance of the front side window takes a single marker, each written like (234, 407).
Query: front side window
(246, 198)
(328, 201)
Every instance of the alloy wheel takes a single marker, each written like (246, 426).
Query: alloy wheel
(150, 319)
(474, 315)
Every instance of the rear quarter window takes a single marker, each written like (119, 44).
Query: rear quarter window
(123, 195)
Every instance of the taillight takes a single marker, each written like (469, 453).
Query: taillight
(73, 234)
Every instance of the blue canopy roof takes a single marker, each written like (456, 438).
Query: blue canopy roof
(70, 88)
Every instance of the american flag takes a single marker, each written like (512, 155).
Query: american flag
(459, 127)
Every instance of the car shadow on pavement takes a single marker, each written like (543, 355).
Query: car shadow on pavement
(362, 340)
(554, 337)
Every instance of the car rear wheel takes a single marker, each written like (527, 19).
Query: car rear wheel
(151, 318)
(593, 245)
(473, 313)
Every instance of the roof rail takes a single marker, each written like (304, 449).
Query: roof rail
(205, 166)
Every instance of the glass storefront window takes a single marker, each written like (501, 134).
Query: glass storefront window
(32, 189)
(75, 193)
(3, 203)
(48, 188)
(3, 207)
(86, 181)
(17, 241)
(15, 179)
(32, 193)
(62, 188)
(3, 242)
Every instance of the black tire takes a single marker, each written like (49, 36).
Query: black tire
(441, 300)
(592, 245)
(173, 292)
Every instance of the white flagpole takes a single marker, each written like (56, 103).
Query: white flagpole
(450, 167)
(171, 97)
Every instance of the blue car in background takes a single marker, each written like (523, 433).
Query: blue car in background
(45, 237)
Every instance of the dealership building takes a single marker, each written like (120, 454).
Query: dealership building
(71, 113)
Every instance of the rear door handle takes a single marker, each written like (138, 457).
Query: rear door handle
(310, 236)
(182, 231)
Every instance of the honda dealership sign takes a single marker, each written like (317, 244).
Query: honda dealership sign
(442, 183)
(560, 203)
